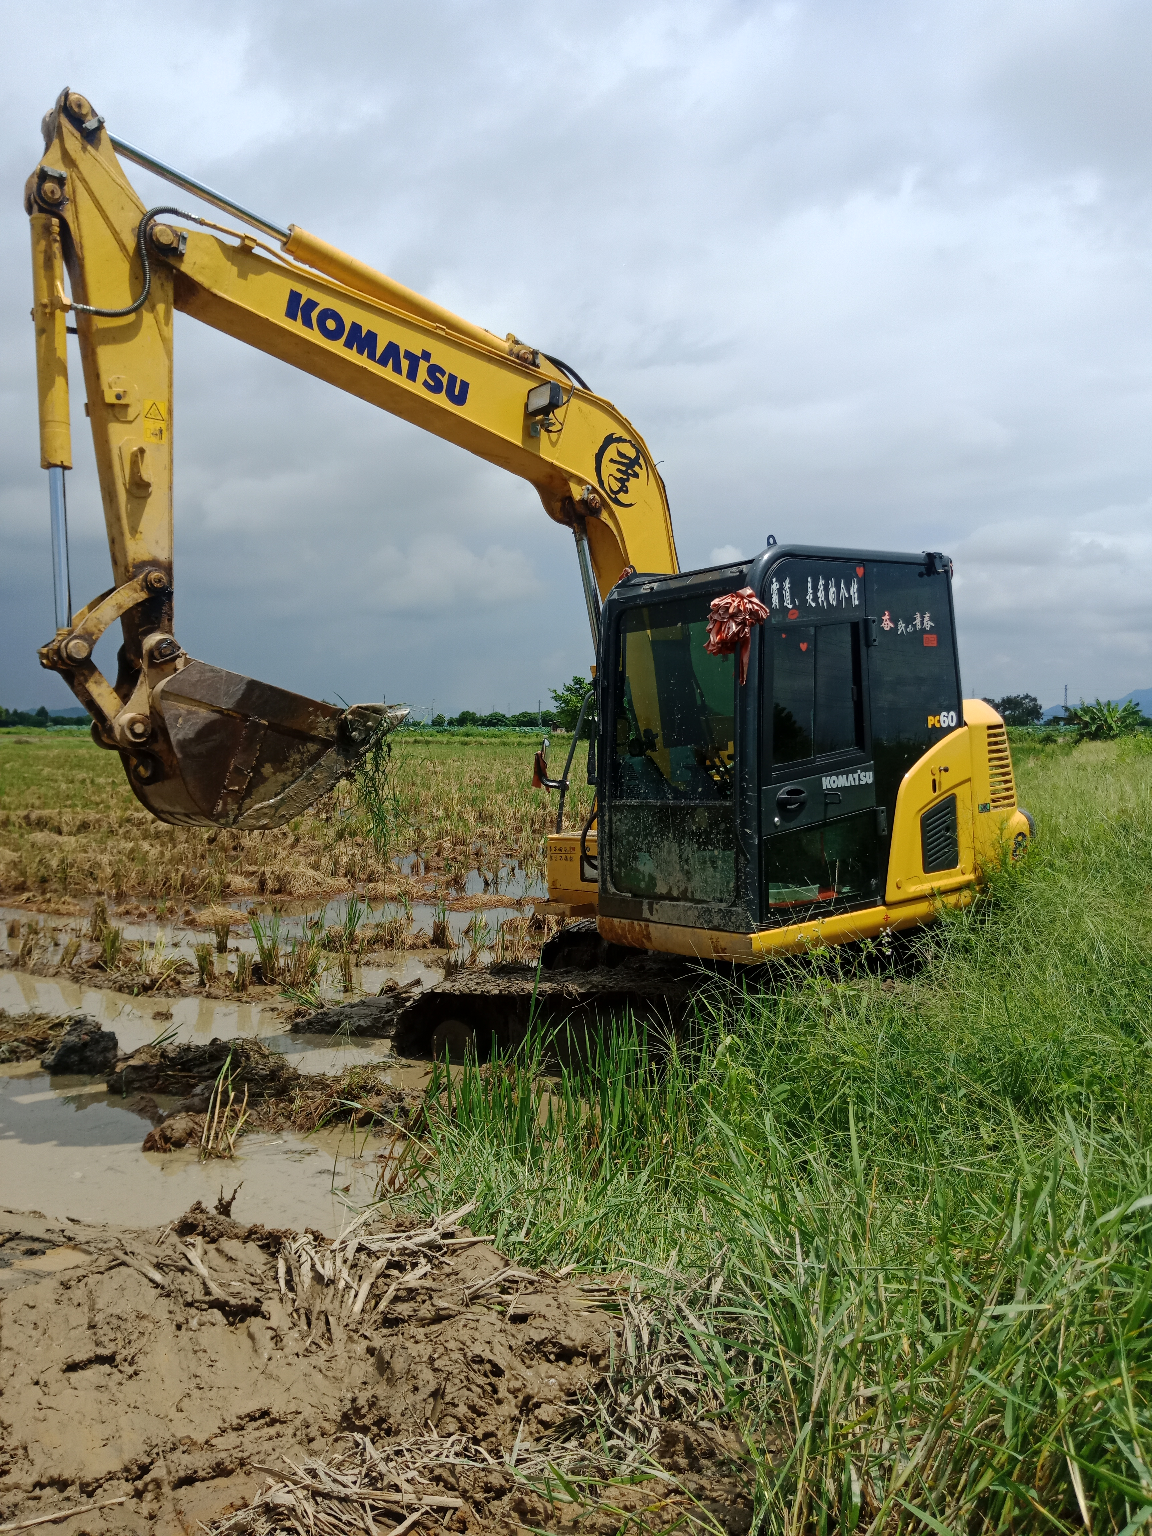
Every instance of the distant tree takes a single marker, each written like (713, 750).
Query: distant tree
(568, 700)
(495, 720)
(1018, 708)
(1102, 720)
(466, 717)
(438, 720)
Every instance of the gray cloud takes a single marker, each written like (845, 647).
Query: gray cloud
(859, 274)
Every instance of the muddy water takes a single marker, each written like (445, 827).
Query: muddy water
(223, 1019)
(138, 1020)
(68, 1148)
(180, 941)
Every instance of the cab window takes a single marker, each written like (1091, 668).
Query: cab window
(673, 830)
(814, 678)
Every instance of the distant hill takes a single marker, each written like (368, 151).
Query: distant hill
(1141, 696)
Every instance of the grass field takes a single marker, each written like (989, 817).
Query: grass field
(70, 826)
(918, 1185)
(923, 1189)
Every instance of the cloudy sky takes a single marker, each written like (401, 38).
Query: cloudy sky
(873, 274)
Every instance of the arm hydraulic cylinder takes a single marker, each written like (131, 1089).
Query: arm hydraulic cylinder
(50, 321)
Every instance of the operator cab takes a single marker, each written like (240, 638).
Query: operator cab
(740, 807)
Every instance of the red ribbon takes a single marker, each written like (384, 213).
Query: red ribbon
(730, 624)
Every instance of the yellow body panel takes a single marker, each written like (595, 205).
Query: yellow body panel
(973, 763)
(793, 938)
(568, 894)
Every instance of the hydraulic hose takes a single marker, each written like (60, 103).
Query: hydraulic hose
(142, 247)
(566, 368)
(588, 699)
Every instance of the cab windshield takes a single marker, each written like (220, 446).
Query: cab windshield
(673, 832)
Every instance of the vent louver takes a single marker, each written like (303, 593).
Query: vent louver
(939, 838)
(1001, 785)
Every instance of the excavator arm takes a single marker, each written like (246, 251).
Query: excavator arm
(201, 745)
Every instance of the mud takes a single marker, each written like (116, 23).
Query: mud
(179, 1370)
(185, 1069)
(83, 1048)
(275, 1094)
(497, 1002)
(373, 1017)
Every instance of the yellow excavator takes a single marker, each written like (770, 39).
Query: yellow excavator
(821, 782)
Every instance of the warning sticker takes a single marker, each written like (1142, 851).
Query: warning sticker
(155, 420)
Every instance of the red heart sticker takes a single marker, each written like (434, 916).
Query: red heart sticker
(859, 570)
(803, 645)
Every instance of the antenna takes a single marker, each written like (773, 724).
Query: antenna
(1065, 695)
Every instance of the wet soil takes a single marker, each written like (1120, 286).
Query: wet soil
(165, 1373)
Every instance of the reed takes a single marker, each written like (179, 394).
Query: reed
(267, 936)
(224, 1118)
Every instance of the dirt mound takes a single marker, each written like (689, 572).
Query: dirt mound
(373, 1017)
(175, 1371)
(85, 1047)
(24, 1036)
(182, 1069)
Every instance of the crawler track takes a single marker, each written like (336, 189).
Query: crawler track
(582, 982)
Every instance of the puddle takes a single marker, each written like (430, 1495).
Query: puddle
(64, 1257)
(510, 880)
(72, 1151)
(197, 1020)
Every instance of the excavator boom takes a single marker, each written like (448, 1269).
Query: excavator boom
(202, 745)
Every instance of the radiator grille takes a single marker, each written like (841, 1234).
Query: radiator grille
(939, 840)
(1000, 782)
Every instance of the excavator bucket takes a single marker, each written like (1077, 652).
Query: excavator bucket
(227, 751)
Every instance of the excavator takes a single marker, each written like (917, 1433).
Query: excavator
(818, 780)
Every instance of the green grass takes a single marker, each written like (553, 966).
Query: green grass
(920, 1183)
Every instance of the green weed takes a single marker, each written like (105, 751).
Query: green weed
(920, 1179)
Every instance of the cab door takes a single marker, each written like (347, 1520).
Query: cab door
(820, 831)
